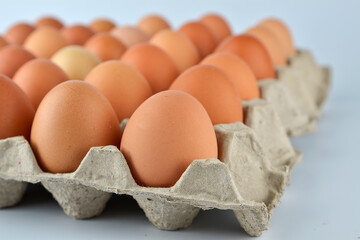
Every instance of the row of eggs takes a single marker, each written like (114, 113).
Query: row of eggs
(173, 85)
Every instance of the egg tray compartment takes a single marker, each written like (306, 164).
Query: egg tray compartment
(299, 93)
(257, 159)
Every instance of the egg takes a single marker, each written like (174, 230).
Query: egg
(102, 25)
(76, 34)
(73, 117)
(37, 77)
(16, 112)
(152, 24)
(272, 44)
(238, 71)
(3, 42)
(218, 26)
(124, 86)
(18, 33)
(44, 42)
(105, 46)
(12, 57)
(201, 36)
(75, 61)
(281, 31)
(179, 47)
(164, 136)
(49, 22)
(214, 90)
(253, 52)
(155, 64)
(130, 35)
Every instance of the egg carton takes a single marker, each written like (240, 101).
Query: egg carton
(299, 93)
(256, 163)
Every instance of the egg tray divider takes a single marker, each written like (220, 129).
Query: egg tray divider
(257, 159)
(299, 93)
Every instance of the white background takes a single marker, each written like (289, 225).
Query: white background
(323, 201)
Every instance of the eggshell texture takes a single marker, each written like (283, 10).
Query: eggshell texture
(37, 77)
(155, 64)
(201, 36)
(271, 43)
(130, 35)
(253, 52)
(179, 47)
(124, 86)
(3, 42)
(73, 117)
(18, 33)
(49, 22)
(102, 25)
(282, 32)
(44, 42)
(218, 26)
(152, 24)
(77, 34)
(214, 90)
(105, 46)
(164, 136)
(16, 112)
(12, 57)
(238, 71)
(75, 61)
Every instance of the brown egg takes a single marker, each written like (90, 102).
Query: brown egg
(37, 77)
(44, 42)
(155, 64)
(179, 47)
(130, 35)
(76, 34)
(16, 112)
(49, 22)
(214, 90)
(201, 36)
(105, 46)
(75, 61)
(3, 42)
(238, 71)
(281, 31)
(102, 25)
(18, 33)
(218, 26)
(271, 43)
(164, 136)
(253, 52)
(73, 117)
(153, 24)
(124, 86)
(12, 57)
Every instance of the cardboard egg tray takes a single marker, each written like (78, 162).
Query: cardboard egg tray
(299, 93)
(256, 163)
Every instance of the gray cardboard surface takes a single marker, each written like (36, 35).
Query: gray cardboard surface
(298, 93)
